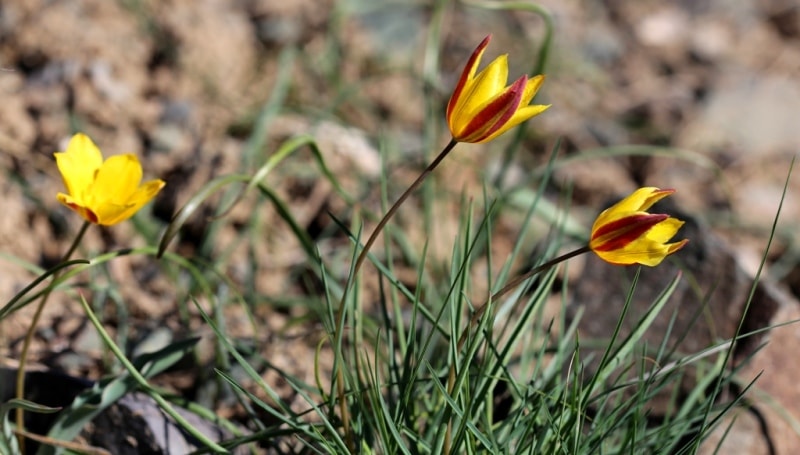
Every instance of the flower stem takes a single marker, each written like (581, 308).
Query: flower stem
(518, 280)
(363, 255)
(26, 344)
(451, 376)
(345, 416)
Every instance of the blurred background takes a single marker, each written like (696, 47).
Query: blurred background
(698, 95)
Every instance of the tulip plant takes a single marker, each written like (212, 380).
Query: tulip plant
(481, 108)
(432, 380)
(101, 192)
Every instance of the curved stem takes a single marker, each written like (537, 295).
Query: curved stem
(363, 255)
(451, 376)
(516, 282)
(344, 414)
(26, 344)
(538, 269)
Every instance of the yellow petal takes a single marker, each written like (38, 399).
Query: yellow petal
(75, 205)
(492, 79)
(520, 116)
(465, 80)
(622, 231)
(116, 182)
(109, 213)
(639, 200)
(649, 249)
(642, 244)
(147, 191)
(531, 88)
(117, 179)
(142, 195)
(654, 197)
(78, 164)
(665, 230)
(673, 247)
(486, 86)
(477, 110)
(642, 251)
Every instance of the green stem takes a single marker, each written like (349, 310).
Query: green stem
(363, 255)
(451, 376)
(535, 271)
(516, 282)
(162, 403)
(26, 344)
(359, 262)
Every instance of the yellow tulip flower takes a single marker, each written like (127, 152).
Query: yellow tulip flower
(482, 107)
(102, 192)
(626, 234)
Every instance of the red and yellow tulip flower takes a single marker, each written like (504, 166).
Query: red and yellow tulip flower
(626, 234)
(482, 107)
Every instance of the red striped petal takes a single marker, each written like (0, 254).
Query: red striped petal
(469, 69)
(618, 233)
(495, 114)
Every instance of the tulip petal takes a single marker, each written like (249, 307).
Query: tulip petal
(85, 213)
(487, 85)
(626, 234)
(640, 200)
(78, 164)
(624, 231)
(519, 116)
(665, 230)
(642, 252)
(531, 88)
(138, 199)
(673, 247)
(645, 251)
(467, 76)
(117, 179)
(484, 90)
(494, 114)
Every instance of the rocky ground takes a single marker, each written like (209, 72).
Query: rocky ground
(712, 85)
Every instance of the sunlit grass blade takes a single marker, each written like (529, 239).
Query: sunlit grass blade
(14, 305)
(141, 381)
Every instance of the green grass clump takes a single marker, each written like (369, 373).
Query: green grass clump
(429, 364)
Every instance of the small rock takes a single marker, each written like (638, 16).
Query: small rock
(777, 364)
(154, 341)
